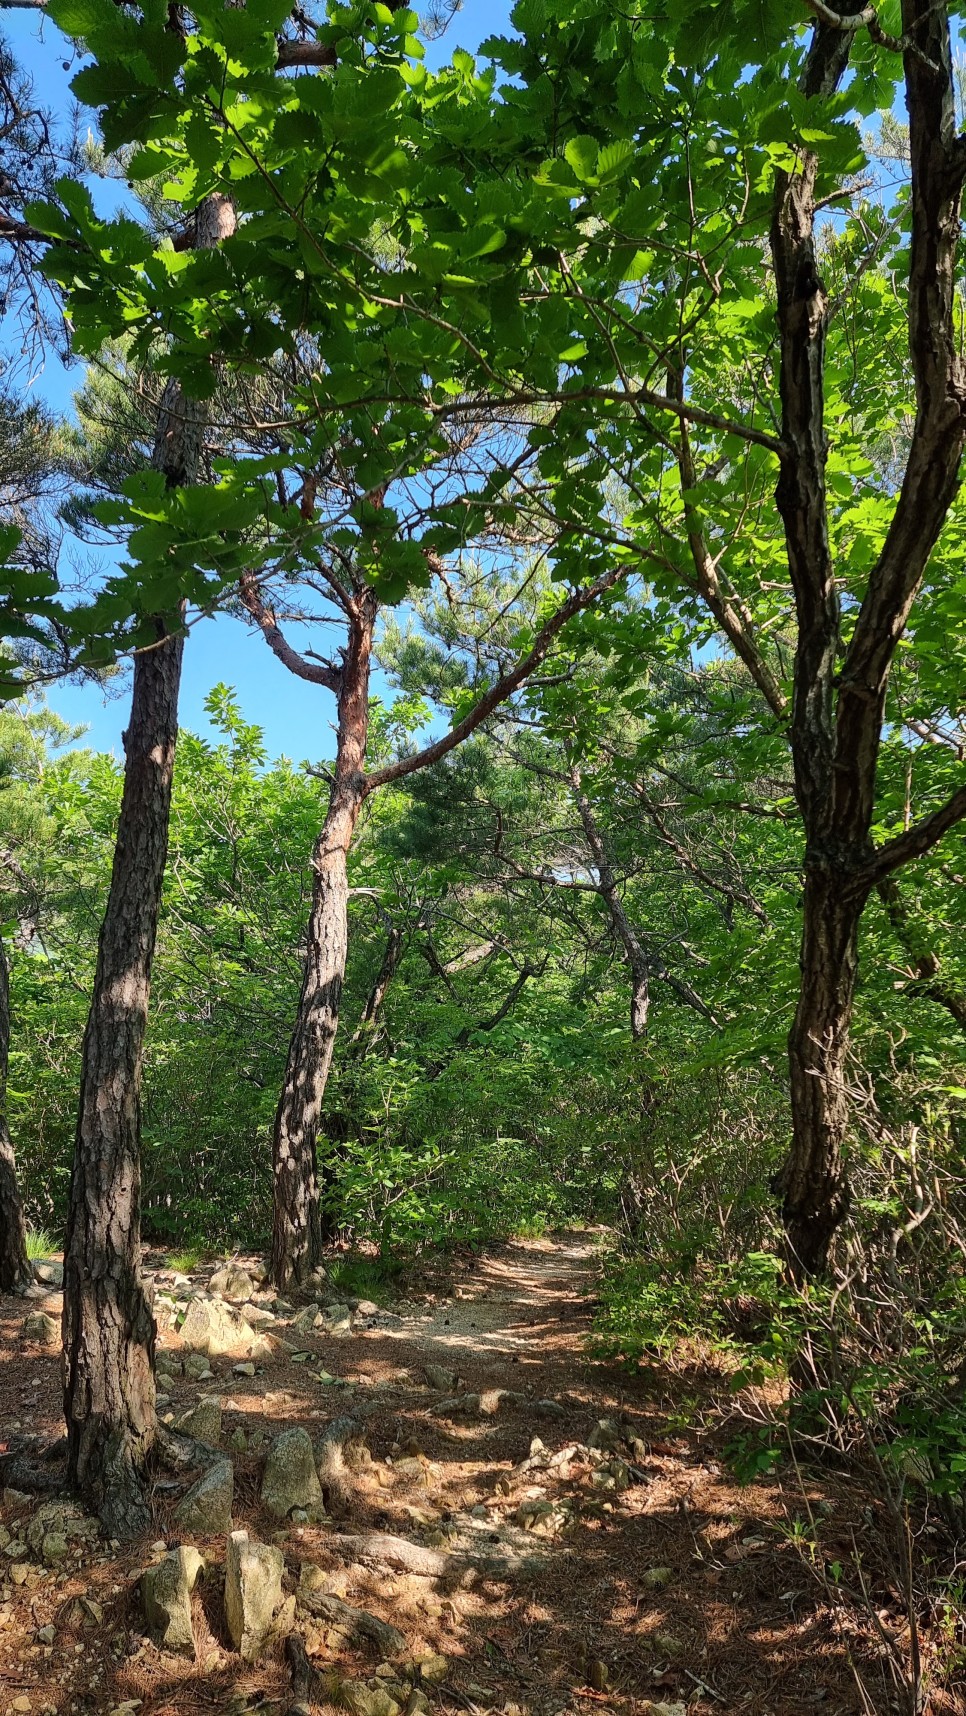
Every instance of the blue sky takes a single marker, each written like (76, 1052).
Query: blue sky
(296, 717)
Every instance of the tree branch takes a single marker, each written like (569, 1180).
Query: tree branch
(503, 687)
(317, 673)
(916, 841)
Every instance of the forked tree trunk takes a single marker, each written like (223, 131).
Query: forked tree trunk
(14, 1267)
(296, 1216)
(109, 1332)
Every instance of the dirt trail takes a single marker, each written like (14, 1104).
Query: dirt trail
(631, 1575)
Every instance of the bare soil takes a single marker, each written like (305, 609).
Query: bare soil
(681, 1590)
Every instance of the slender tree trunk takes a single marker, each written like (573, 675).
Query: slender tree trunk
(813, 1184)
(109, 1332)
(14, 1268)
(108, 1323)
(297, 1219)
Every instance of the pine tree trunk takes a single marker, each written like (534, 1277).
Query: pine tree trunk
(15, 1272)
(108, 1323)
(109, 1331)
(297, 1228)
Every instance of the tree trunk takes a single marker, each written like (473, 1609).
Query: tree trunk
(15, 1270)
(108, 1323)
(296, 1216)
(813, 1182)
(109, 1332)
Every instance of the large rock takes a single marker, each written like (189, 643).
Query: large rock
(206, 1507)
(253, 1592)
(290, 1479)
(166, 1594)
(233, 1282)
(39, 1327)
(50, 1271)
(203, 1422)
(212, 1327)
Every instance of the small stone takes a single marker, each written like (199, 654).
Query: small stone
(196, 1365)
(253, 1592)
(46, 1635)
(656, 1578)
(438, 1377)
(206, 1507)
(433, 1668)
(166, 1594)
(667, 1644)
(290, 1479)
(54, 1548)
(598, 1675)
(50, 1271)
(308, 1319)
(676, 1709)
(21, 1703)
(246, 1369)
(238, 1441)
(262, 1350)
(367, 1308)
(39, 1327)
(203, 1422)
(549, 1409)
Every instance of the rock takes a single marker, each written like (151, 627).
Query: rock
(337, 1320)
(433, 1668)
(367, 1308)
(308, 1319)
(667, 1644)
(238, 1441)
(290, 1479)
(549, 1409)
(206, 1507)
(54, 1548)
(233, 1282)
(196, 1366)
(46, 1635)
(203, 1422)
(342, 1450)
(253, 1592)
(262, 1350)
(246, 1368)
(21, 1703)
(57, 1520)
(676, 1709)
(362, 1700)
(259, 1316)
(606, 1434)
(598, 1675)
(50, 1271)
(166, 1594)
(657, 1578)
(40, 1327)
(210, 1326)
(446, 1380)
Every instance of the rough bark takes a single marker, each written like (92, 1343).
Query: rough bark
(296, 1217)
(109, 1331)
(15, 1272)
(837, 717)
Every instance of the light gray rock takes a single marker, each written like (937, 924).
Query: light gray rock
(309, 1318)
(40, 1327)
(206, 1507)
(233, 1283)
(253, 1592)
(196, 1366)
(212, 1327)
(290, 1479)
(166, 1594)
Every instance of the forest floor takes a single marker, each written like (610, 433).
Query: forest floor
(634, 1575)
